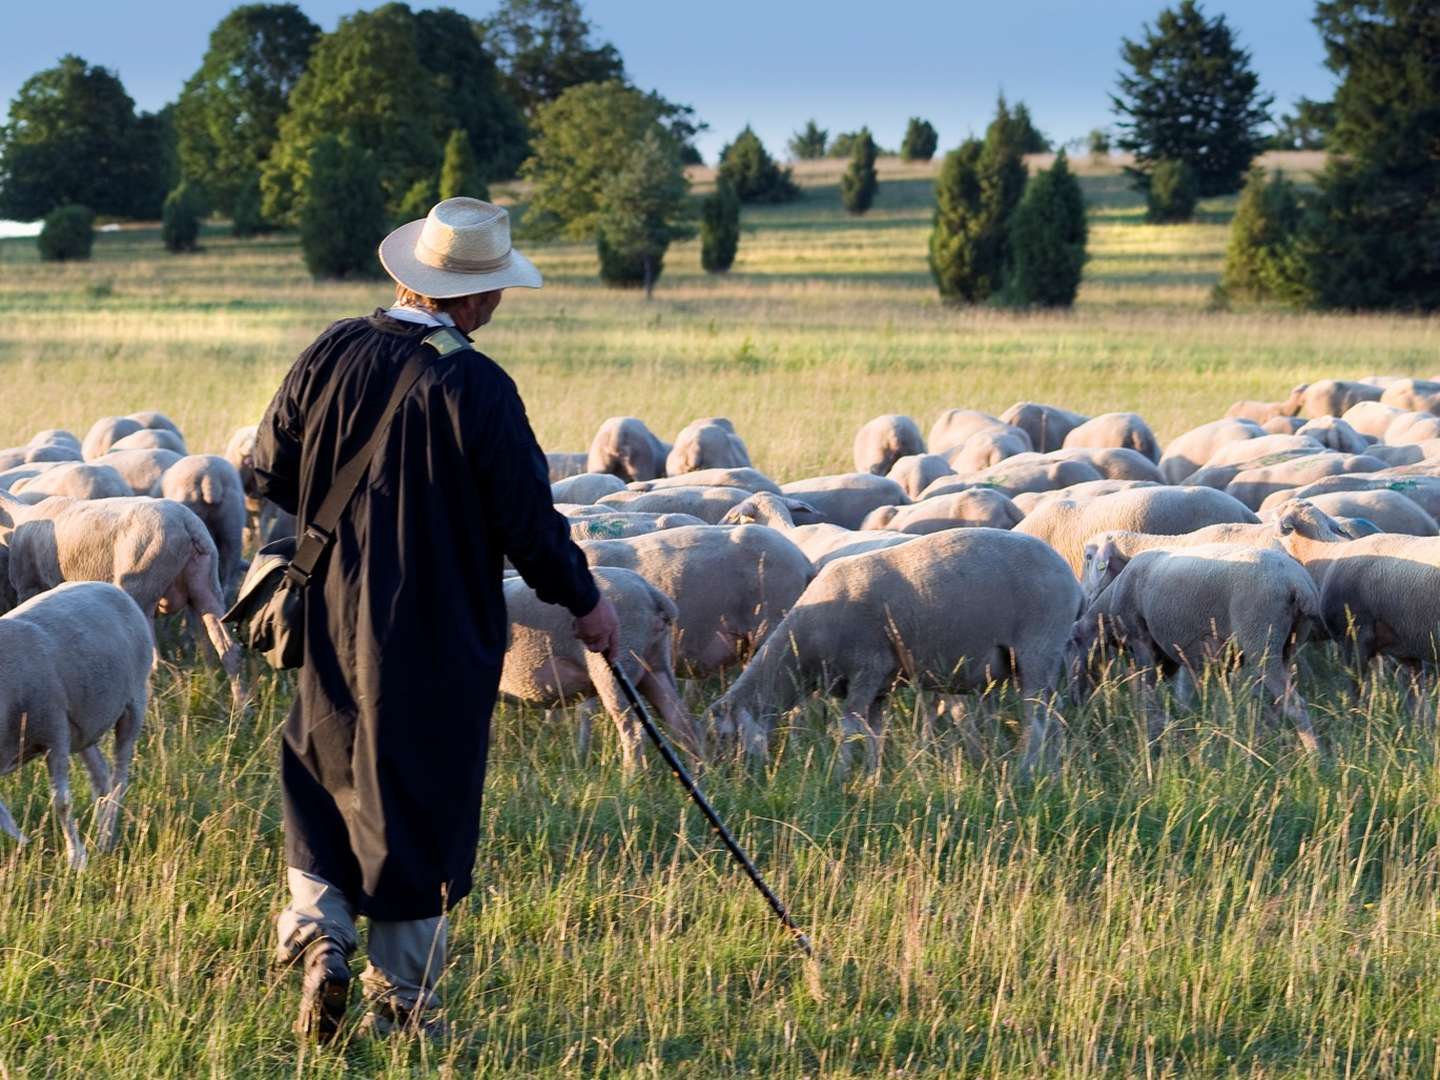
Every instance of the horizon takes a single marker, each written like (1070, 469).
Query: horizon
(805, 67)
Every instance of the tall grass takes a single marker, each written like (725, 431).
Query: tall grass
(1230, 908)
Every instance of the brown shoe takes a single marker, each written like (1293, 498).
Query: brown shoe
(324, 991)
(383, 1020)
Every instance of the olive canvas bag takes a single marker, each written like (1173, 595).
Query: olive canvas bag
(271, 603)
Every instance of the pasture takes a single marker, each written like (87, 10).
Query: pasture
(1230, 909)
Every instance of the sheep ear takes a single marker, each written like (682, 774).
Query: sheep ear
(1110, 558)
(800, 505)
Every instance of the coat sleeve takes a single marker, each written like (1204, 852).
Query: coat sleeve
(277, 445)
(515, 480)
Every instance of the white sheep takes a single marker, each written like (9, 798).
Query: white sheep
(1113, 462)
(1413, 395)
(586, 488)
(623, 445)
(709, 504)
(74, 664)
(1260, 412)
(210, 487)
(988, 446)
(885, 440)
(104, 433)
(1389, 511)
(709, 443)
(151, 439)
(240, 452)
(563, 465)
(976, 508)
(954, 426)
(1019, 474)
(152, 420)
(618, 526)
(1334, 434)
(73, 479)
(141, 469)
(954, 611)
(1046, 425)
(1329, 397)
(1027, 502)
(744, 477)
(821, 543)
(916, 472)
(1126, 430)
(1253, 486)
(1371, 418)
(1187, 453)
(844, 499)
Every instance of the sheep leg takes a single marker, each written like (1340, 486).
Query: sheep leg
(99, 770)
(58, 759)
(1291, 705)
(206, 603)
(661, 691)
(127, 733)
(8, 826)
(860, 718)
(626, 725)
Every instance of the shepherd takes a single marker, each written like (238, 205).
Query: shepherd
(383, 756)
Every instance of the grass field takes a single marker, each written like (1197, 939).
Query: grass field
(1233, 909)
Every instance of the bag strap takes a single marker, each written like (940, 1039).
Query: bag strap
(319, 533)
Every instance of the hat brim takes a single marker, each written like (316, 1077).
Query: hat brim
(397, 256)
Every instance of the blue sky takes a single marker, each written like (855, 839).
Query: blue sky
(773, 64)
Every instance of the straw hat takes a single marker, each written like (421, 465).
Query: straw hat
(461, 247)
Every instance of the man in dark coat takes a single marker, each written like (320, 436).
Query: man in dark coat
(383, 760)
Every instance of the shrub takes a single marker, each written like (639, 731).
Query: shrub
(748, 165)
(245, 218)
(719, 228)
(180, 218)
(1171, 192)
(342, 215)
(1259, 261)
(843, 145)
(1099, 142)
(418, 200)
(459, 173)
(68, 233)
(642, 210)
(808, 143)
(859, 183)
(920, 140)
(1047, 239)
(623, 267)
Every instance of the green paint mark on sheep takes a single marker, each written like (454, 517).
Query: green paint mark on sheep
(607, 529)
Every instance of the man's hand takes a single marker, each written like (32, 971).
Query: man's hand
(599, 631)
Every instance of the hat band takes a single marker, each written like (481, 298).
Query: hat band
(439, 260)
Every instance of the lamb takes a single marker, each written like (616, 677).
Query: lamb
(1335, 434)
(156, 550)
(732, 585)
(564, 465)
(619, 526)
(1181, 608)
(151, 439)
(954, 427)
(954, 611)
(1371, 418)
(1065, 524)
(846, 498)
(210, 487)
(1127, 430)
(1253, 486)
(916, 472)
(626, 447)
(976, 508)
(1329, 397)
(546, 665)
(744, 477)
(586, 488)
(988, 447)
(1391, 511)
(1377, 594)
(104, 433)
(710, 443)
(1188, 453)
(1046, 425)
(74, 479)
(885, 440)
(822, 543)
(709, 504)
(76, 664)
(141, 469)
(1413, 395)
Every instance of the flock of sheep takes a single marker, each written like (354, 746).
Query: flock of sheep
(1022, 547)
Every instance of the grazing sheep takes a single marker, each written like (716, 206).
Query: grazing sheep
(75, 480)
(1182, 608)
(1028, 501)
(1390, 511)
(745, 477)
(56, 451)
(710, 443)
(151, 439)
(1413, 395)
(885, 440)
(586, 488)
(142, 469)
(209, 487)
(976, 508)
(988, 447)
(1113, 462)
(74, 664)
(954, 611)
(731, 584)
(10, 477)
(709, 504)
(1371, 418)
(955, 426)
(240, 452)
(1253, 486)
(13, 458)
(1017, 475)
(1423, 491)
(1257, 411)
(1412, 427)
(565, 465)
(1394, 456)
(1329, 397)
(1283, 425)
(1065, 524)
(1126, 430)
(1335, 434)
(916, 472)
(1046, 425)
(54, 437)
(619, 526)
(1377, 594)
(546, 665)
(821, 543)
(1094, 571)
(156, 550)
(1187, 453)
(1231, 459)
(156, 421)
(626, 447)
(104, 433)
(846, 498)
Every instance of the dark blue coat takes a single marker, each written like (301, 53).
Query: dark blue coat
(384, 752)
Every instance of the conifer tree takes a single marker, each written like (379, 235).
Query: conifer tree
(342, 215)
(180, 218)
(719, 227)
(920, 140)
(459, 172)
(1047, 239)
(859, 182)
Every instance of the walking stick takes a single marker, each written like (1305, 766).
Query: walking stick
(688, 783)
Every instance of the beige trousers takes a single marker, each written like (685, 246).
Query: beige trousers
(406, 958)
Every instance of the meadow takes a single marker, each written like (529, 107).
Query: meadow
(1231, 908)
